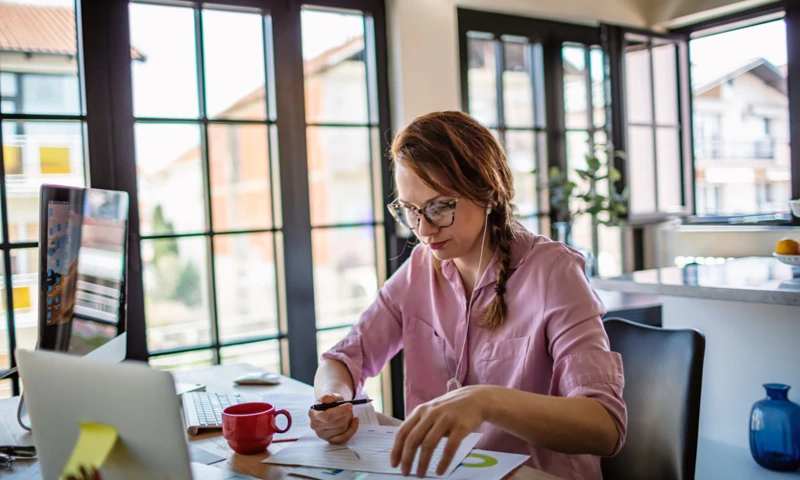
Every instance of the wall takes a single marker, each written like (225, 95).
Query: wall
(747, 345)
(423, 44)
(670, 13)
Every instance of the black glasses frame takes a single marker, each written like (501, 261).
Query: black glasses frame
(394, 209)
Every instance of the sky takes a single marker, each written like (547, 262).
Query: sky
(715, 55)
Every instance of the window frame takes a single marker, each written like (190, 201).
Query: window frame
(552, 36)
(300, 340)
(106, 90)
(81, 118)
(747, 18)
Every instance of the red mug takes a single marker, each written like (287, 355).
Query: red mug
(249, 427)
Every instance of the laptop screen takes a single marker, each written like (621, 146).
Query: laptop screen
(82, 297)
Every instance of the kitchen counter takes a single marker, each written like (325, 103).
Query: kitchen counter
(753, 279)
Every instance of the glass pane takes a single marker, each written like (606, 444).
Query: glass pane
(165, 72)
(345, 278)
(482, 80)
(240, 177)
(328, 338)
(180, 362)
(741, 118)
(609, 260)
(244, 266)
(666, 84)
(49, 94)
(531, 224)
(669, 169)
(234, 83)
(334, 67)
(521, 159)
(170, 178)
(175, 277)
(25, 280)
(266, 355)
(598, 87)
(582, 234)
(575, 88)
(601, 152)
(5, 388)
(373, 388)
(517, 85)
(577, 149)
(40, 57)
(637, 81)
(641, 169)
(274, 158)
(339, 181)
(5, 359)
(37, 153)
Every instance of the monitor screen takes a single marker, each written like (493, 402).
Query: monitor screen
(82, 294)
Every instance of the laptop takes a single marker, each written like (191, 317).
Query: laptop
(140, 402)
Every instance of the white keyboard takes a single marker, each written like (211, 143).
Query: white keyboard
(203, 410)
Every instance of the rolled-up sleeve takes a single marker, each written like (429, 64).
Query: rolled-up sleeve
(378, 334)
(583, 365)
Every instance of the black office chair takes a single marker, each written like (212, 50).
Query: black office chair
(663, 380)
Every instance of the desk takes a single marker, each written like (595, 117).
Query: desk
(216, 379)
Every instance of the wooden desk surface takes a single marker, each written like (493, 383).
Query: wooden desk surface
(217, 378)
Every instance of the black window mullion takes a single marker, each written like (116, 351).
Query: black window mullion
(653, 124)
(792, 20)
(211, 279)
(266, 42)
(499, 67)
(9, 300)
(289, 78)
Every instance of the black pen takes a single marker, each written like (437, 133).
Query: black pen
(321, 407)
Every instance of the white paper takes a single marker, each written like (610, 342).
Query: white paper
(298, 405)
(481, 464)
(368, 451)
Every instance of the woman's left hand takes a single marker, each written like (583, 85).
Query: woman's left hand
(453, 415)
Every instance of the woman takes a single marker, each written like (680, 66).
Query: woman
(500, 329)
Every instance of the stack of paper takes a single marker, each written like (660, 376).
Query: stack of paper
(481, 464)
(368, 451)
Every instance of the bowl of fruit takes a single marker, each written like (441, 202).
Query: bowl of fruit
(787, 250)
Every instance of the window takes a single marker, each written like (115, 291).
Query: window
(541, 88)
(238, 212)
(43, 123)
(207, 157)
(656, 142)
(516, 117)
(744, 155)
(344, 171)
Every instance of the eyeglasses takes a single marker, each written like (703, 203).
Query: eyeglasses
(440, 213)
(11, 452)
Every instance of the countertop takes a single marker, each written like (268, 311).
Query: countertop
(751, 279)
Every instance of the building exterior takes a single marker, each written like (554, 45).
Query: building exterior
(741, 141)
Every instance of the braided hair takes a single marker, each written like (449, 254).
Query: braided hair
(455, 155)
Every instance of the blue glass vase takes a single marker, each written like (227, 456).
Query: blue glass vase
(775, 430)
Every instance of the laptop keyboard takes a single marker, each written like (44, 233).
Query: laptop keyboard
(209, 406)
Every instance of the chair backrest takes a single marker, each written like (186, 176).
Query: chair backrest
(663, 380)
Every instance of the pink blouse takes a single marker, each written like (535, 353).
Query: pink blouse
(552, 342)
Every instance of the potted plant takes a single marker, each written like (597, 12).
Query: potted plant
(569, 199)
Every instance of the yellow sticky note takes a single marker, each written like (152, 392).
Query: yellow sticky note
(95, 442)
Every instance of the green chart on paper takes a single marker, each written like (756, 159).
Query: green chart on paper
(483, 461)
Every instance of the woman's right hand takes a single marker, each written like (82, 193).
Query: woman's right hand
(336, 425)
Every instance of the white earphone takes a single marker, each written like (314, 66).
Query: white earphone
(453, 382)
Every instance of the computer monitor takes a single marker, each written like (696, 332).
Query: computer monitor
(82, 258)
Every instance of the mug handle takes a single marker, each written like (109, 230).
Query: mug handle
(288, 421)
